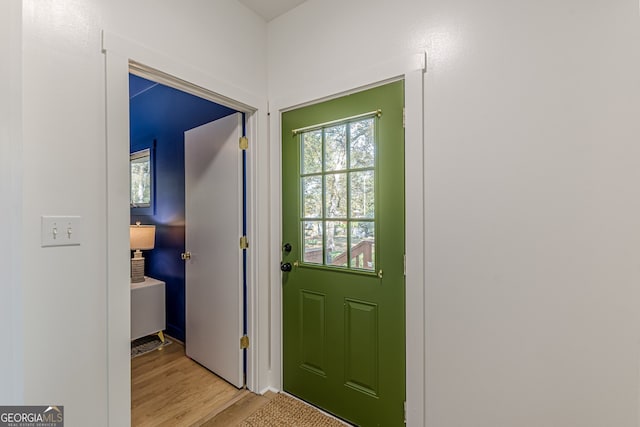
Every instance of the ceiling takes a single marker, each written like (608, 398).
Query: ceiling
(270, 9)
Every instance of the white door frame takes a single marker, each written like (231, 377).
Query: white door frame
(123, 56)
(411, 69)
(12, 313)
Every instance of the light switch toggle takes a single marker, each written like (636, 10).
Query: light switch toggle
(52, 233)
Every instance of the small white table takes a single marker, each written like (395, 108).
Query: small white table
(147, 308)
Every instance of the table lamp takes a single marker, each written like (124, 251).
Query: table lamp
(141, 237)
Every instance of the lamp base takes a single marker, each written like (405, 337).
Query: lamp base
(137, 270)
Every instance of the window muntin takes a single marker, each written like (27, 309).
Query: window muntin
(338, 195)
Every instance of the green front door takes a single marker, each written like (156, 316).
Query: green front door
(343, 238)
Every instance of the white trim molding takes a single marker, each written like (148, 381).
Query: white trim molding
(180, 75)
(12, 310)
(122, 57)
(411, 69)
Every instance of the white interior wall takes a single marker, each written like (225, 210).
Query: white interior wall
(65, 297)
(532, 233)
(532, 308)
(11, 366)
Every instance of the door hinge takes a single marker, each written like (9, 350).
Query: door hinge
(244, 243)
(405, 411)
(244, 342)
(405, 265)
(380, 273)
(404, 117)
(244, 143)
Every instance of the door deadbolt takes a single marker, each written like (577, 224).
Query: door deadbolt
(285, 266)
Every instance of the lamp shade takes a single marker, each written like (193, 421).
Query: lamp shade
(142, 237)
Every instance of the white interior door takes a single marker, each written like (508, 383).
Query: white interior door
(213, 193)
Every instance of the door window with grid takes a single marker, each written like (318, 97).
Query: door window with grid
(338, 186)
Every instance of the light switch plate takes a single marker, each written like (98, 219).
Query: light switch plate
(61, 230)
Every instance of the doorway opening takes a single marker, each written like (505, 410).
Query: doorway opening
(159, 117)
(188, 180)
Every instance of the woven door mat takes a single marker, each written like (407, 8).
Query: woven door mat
(286, 411)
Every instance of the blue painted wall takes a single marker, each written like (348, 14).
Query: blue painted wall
(159, 116)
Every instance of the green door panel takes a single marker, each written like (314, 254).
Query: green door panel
(343, 214)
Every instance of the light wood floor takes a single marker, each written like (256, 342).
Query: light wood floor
(169, 389)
